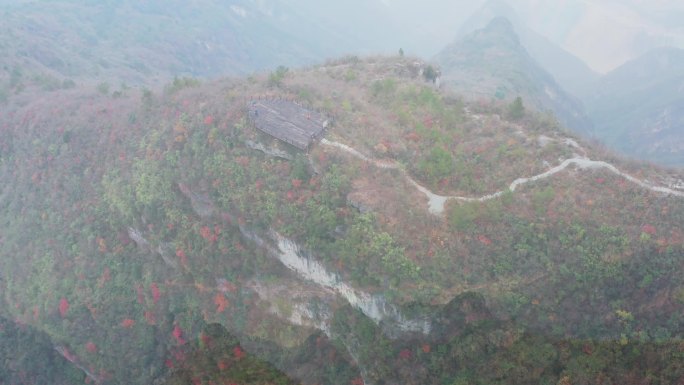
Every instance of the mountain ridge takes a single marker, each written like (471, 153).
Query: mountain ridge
(569, 71)
(492, 63)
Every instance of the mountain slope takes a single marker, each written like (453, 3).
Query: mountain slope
(148, 42)
(570, 72)
(638, 108)
(132, 222)
(491, 63)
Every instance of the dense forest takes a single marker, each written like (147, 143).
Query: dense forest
(146, 235)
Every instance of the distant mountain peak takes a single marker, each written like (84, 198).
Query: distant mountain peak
(500, 8)
(502, 28)
(502, 24)
(569, 71)
(491, 62)
(492, 9)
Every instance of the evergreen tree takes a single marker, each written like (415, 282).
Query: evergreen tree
(516, 110)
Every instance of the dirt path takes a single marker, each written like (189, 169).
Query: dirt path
(436, 202)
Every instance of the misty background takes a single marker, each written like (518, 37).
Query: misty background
(609, 70)
(602, 33)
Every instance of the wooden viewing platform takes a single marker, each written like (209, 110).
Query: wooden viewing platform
(287, 121)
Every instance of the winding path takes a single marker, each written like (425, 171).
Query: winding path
(436, 202)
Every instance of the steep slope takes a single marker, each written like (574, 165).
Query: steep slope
(569, 71)
(638, 108)
(491, 63)
(147, 42)
(133, 222)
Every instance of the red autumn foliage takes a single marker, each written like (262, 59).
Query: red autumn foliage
(91, 347)
(426, 348)
(63, 307)
(484, 240)
(405, 354)
(178, 335)
(206, 340)
(150, 318)
(182, 257)
(127, 323)
(357, 381)
(179, 355)
(412, 136)
(208, 234)
(169, 364)
(156, 294)
(223, 364)
(205, 232)
(141, 295)
(209, 120)
(648, 229)
(221, 302)
(296, 183)
(238, 353)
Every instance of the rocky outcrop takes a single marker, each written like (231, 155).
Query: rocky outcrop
(201, 204)
(270, 151)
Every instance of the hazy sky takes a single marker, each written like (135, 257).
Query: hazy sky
(606, 33)
(603, 33)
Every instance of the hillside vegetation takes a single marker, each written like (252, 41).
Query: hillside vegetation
(50, 45)
(131, 224)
